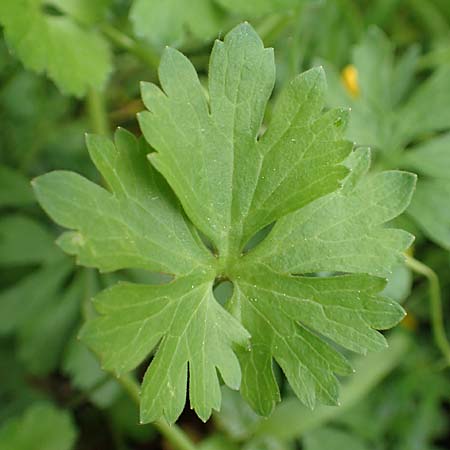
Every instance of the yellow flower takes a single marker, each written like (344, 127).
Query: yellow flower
(349, 76)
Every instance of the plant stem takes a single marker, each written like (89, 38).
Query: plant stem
(97, 112)
(174, 434)
(435, 305)
(144, 52)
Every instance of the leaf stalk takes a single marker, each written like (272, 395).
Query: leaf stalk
(97, 113)
(437, 319)
(173, 433)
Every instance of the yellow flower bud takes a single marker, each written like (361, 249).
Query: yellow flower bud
(349, 76)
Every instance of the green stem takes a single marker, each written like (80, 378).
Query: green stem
(174, 434)
(97, 112)
(435, 305)
(144, 52)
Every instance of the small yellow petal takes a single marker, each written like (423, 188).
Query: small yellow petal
(349, 76)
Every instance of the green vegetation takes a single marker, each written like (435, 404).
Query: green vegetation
(231, 206)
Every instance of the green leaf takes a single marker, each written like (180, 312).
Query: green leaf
(15, 189)
(138, 225)
(231, 183)
(233, 180)
(192, 327)
(358, 163)
(390, 112)
(168, 23)
(343, 231)
(430, 158)
(399, 283)
(292, 420)
(73, 56)
(42, 423)
(287, 316)
(373, 58)
(427, 109)
(429, 208)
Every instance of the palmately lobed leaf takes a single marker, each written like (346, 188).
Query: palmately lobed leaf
(230, 181)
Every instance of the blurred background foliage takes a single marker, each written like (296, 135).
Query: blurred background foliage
(68, 67)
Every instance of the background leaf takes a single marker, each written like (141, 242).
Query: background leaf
(43, 423)
(74, 57)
